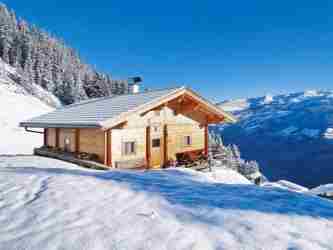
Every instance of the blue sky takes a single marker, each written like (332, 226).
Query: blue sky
(224, 49)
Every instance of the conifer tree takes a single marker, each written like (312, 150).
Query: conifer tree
(46, 61)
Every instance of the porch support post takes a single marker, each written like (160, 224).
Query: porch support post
(45, 136)
(165, 144)
(77, 141)
(107, 148)
(57, 137)
(206, 140)
(109, 163)
(148, 152)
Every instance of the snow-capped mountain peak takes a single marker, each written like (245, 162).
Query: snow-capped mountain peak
(284, 133)
(234, 105)
(268, 99)
(312, 93)
(281, 110)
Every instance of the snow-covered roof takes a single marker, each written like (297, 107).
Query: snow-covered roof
(97, 113)
(92, 112)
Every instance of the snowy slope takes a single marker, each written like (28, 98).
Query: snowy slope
(17, 105)
(290, 135)
(49, 204)
(286, 185)
(227, 176)
(9, 74)
(323, 190)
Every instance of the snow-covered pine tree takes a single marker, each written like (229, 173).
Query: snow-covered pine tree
(46, 61)
(236, 152)
(249, 167)
(6, 33)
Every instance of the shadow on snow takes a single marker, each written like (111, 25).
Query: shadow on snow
(181, 188)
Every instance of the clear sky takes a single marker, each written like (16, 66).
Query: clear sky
(224, 49)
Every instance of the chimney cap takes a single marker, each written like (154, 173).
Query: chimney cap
(134, 80)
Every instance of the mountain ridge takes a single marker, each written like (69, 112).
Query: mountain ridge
(290, 135)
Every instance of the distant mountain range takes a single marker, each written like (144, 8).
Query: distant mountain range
(291, 136)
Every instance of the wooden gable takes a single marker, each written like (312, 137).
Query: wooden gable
(183, 101)
(191, 105)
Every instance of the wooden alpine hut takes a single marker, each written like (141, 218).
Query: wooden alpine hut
(146, 129)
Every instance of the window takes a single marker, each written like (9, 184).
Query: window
(129, 148)
(156, 143)
(187, 140)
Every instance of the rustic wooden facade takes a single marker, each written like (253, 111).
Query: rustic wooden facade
(150, 135)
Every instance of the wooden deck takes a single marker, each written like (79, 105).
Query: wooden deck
(195, 164)
(70, 158)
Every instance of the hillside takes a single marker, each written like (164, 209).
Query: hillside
(46, 61)
(291, 136)
(50, 204)
(17, 105)
(39, 72)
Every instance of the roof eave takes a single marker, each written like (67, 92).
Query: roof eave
(58, 125)
(229, 118)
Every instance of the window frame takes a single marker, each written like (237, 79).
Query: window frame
(188, 140)
(132, 145)
(154, 140)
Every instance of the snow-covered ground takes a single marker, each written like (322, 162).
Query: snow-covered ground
(287, 185)
(227, 176)
(16, 106)
(18, 103)
(49, 204)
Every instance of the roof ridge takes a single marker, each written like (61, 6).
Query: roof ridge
(87, 101)
(117, 96)
(104, 111)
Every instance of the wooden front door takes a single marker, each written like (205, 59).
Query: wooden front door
(156, 146)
